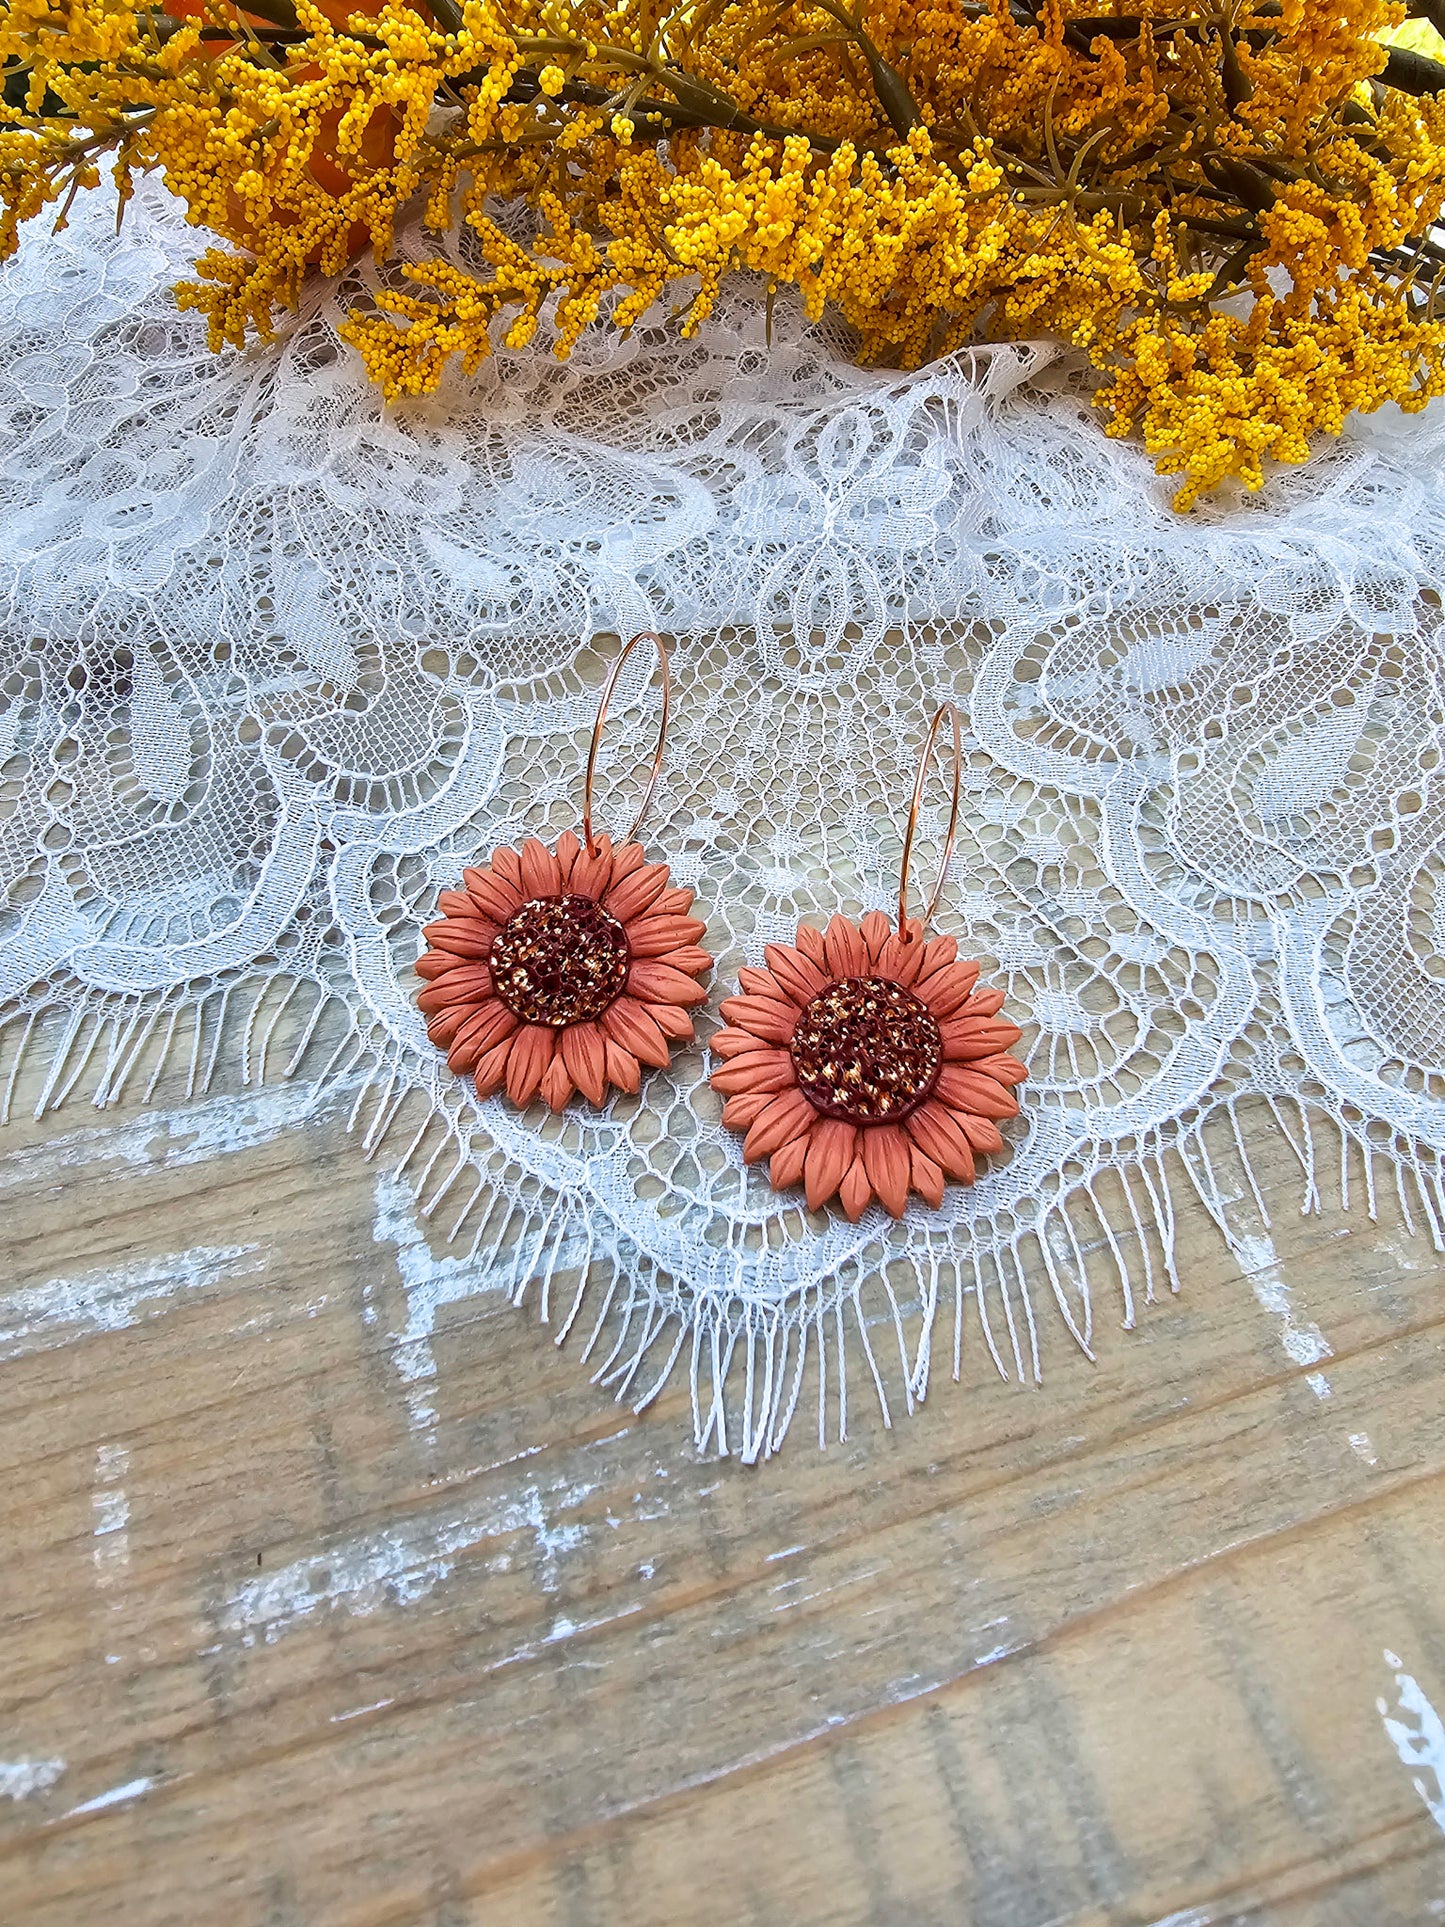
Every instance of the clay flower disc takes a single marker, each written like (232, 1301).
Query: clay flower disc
(554, 971)
(866, 1066)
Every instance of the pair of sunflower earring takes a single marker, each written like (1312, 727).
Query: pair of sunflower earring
(863, 1062)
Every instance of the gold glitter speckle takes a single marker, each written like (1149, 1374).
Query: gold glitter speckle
(559, 961)
(866, 1050)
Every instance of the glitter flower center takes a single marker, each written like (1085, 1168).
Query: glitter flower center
(866, 1050)
(559, 961)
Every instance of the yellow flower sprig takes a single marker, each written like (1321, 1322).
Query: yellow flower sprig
(1231, 209)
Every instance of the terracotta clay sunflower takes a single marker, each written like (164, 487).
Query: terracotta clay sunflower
(866, 1065)
(559, 971)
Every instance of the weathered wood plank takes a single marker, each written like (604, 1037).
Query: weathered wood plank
(303, 1620)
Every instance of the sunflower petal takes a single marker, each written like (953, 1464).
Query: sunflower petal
(925, 1176)
(653, 936)
(462, 936)
(628, 1024)
(845, 950)
(633, 894)
(659, 983)
(691, 958)
(456, 903)
(938, 1136)
(569, 848)
(476, 1038)
(459, 970)
(584, 1052)
(740, 1111)
(874, 930)
(760, 983)
(532, 1050)
(762, 1070)
(982, 1133)
(947, 990)
(775, 1023)
(674, 902)
(592, 874)
(832, 1146)
(786, 1166)
(465, 986)
(626, 857)
(442, 1028)
(938, 952)
(494, 898)
(984, 1003)
(900, 960)
(673, 1022)
(783, 1117)
(432, 964)
(485, 1020)
(491, 1070)
(455, 989)
(965, 1038)
(1003, 1069)
(623, 1069)
(793, 973)
(732, 1043)
(810, 943)
(540, 875)
(886, 1160)
(557, 1085)
(965, 1090)
(507, 868)
(501, 1022)
(855, 1193)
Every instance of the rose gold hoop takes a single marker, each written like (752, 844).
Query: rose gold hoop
(944, 709)
(643, 635)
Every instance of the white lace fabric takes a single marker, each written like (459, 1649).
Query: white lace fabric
(278, 661)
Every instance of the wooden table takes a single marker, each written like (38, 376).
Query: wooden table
(294, 1629)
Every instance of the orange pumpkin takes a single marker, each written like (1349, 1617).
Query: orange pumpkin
(327, 170)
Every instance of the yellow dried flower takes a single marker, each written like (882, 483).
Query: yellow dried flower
(1233, 215)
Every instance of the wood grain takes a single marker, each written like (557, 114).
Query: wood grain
(293, 1632)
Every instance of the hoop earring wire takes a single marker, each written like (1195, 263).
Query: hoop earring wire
(589, 841)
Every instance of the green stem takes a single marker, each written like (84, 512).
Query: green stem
(1412, 73)
(892, 90)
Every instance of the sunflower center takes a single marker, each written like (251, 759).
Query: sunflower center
(559, 961)
(866, 1050)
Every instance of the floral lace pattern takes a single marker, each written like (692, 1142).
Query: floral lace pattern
(279, 662)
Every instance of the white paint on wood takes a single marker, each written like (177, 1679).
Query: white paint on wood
(431, 1283)
(561, 1630)
(171, 1139)
(19, 1779)
(1418, 1737)
(116, 1797)
(404, 1563)
(1303, 1341)
(111, 1297)
(111, 1510)
(355, 1712)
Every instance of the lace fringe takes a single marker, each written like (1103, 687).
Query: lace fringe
(745, 1361)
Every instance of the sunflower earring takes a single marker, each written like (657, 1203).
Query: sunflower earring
(562, 970)
(863, 1060)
